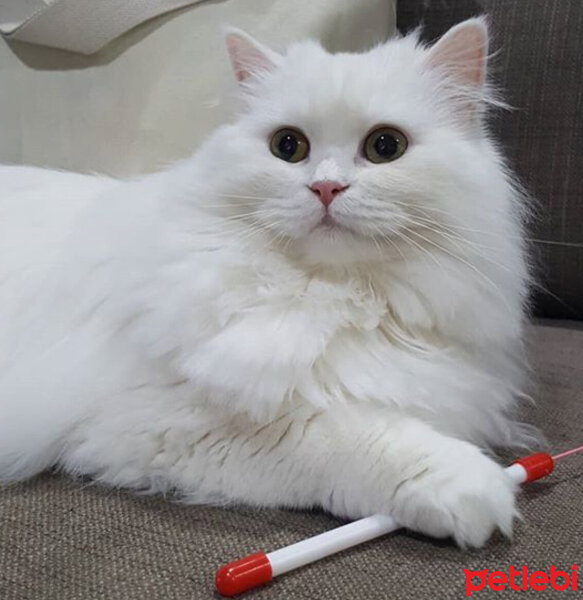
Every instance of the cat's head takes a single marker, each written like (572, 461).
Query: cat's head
(358, 156)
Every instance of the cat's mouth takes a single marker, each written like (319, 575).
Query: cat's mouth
(329, 223)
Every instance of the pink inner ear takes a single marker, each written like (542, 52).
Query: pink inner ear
(241, 74)
(462, 52)
(246, 57)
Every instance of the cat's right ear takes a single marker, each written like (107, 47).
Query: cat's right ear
(248, 56)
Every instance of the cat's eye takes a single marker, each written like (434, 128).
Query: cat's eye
(290, 145)
(384, 144)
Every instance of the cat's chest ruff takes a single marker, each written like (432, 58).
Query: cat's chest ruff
(350, 301)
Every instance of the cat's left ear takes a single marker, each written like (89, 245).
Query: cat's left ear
(462, 53)
(248, 56)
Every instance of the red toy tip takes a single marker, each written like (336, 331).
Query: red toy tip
(243, 575)
(537, 466)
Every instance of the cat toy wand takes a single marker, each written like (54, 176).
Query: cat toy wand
(260, 568)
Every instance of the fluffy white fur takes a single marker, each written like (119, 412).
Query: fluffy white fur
(196, 330)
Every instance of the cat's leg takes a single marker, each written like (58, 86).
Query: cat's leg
(353, 461)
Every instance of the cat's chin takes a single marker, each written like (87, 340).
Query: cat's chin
(333, 229)
(334, 244)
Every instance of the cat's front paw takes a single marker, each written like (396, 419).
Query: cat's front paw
(459, 493)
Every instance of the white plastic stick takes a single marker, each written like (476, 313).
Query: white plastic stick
(327, 543)
(260, 568)
(319, 546)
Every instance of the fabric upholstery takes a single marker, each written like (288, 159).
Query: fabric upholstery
(66, 540)
(151, 96)
(539, 68)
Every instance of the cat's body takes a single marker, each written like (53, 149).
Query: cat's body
(198, 330)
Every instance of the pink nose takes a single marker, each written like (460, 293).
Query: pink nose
(327, 190)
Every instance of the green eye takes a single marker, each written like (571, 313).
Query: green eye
(290, 145)
(384, 145)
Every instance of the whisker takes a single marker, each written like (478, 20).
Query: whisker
(387, 238)
(555, 243)
(468, 264)
(243, 197)
(463, 244)
(435, 209)
(423, 251)
(377, 245)
(458, 228)
(233, 205)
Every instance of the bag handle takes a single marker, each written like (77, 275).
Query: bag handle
(83, 26)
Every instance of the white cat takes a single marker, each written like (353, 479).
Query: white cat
(323, 306)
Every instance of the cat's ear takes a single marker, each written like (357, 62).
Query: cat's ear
(462, 53)
(248, 56)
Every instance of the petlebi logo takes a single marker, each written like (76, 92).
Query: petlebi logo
(521, 579)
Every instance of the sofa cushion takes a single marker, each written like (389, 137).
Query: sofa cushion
(67, 540)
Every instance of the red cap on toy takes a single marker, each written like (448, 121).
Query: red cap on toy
(537, 465)
(244, 574)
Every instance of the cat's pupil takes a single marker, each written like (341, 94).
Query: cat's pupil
(386, 145)
(288, 145)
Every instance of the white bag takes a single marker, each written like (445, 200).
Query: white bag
(79, 25)
(148, 97)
